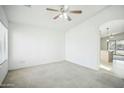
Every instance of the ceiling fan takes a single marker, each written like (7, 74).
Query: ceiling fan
(63, 12)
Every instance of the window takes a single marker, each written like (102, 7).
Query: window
(3, 43)
(112, 46)
(116, 46)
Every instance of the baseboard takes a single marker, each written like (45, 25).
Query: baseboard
(89, 67)
(17, 68)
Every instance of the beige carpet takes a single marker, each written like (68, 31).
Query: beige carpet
(61, 75)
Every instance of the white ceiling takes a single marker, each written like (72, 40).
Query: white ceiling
(115, 27)
(37, 15)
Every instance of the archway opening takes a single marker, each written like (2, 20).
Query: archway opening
(112, 46)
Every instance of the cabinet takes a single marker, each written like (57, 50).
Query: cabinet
(106, 56)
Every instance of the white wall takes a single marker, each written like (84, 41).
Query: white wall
(3, 66)
(83, 41)
(30, 45)
(82, 45)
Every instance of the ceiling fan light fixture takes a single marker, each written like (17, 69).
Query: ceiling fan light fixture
(65, 15)
(61, 16)
(111, 36)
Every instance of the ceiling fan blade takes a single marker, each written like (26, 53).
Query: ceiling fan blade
(50, 9)
(69, 18)
(76, 11)
(66, 8)
(56, 16)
